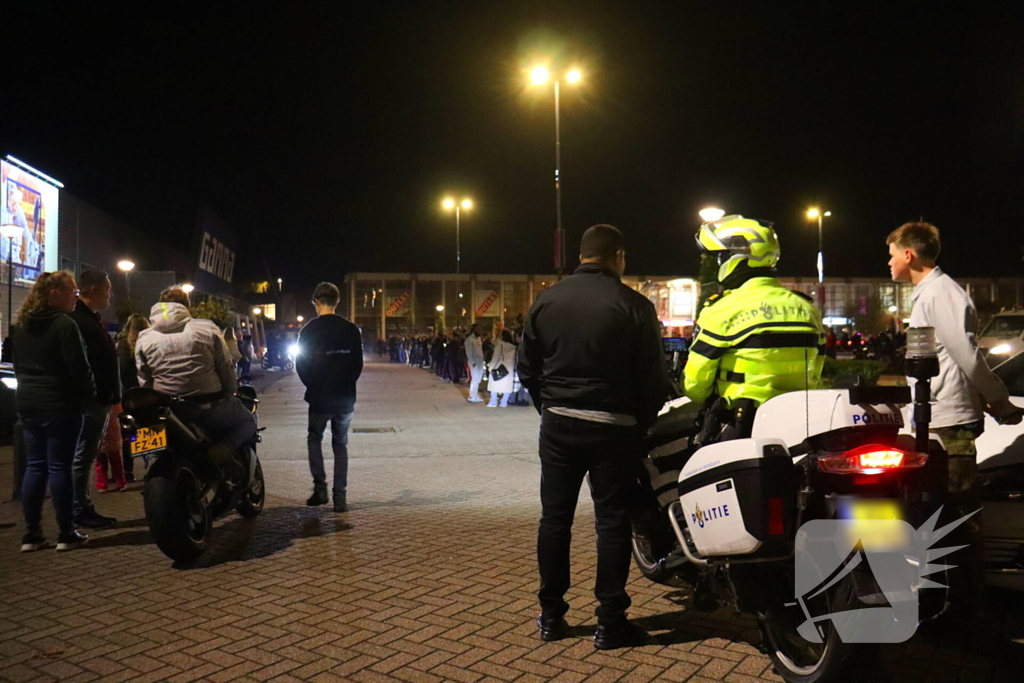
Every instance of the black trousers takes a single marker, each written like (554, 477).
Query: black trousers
(569, 450)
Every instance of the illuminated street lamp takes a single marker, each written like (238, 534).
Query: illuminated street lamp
(126, 266)
(10, 231)
(710, 214)
(815, 213)
(448, 205)
(540, 75)
(187, 288)
(257, 311)
(299, 318)
(440, 308)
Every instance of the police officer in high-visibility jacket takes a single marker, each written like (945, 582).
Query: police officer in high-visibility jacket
(757, 339)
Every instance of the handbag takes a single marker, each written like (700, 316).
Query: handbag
(501, 372)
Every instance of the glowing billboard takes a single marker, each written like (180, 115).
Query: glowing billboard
(31, 204)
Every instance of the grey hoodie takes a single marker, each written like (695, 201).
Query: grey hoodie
(182, 356)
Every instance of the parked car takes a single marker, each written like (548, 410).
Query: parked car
(8, 389)
(1003, 337)
(1001, 464)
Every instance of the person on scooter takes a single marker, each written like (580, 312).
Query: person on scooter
(188, 358)
(756, 338)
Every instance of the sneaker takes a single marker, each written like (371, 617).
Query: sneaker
(71, 540)
(94, 520)
(492, 405)
(33, 541)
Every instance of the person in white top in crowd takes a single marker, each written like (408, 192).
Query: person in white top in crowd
(475, 358)
(231, 339)
(503, 370)
(962, 393)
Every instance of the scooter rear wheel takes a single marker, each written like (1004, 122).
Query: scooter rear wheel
(178, 520)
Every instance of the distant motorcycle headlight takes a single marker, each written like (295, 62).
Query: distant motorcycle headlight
(293, 350)
(10, 382)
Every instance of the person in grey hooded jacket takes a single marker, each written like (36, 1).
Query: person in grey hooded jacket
(188, 358)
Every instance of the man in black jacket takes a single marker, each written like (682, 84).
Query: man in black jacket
(329, 362)
(592, 360)
(95, 296)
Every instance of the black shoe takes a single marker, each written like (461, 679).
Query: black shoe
(552, 628)
(129, 477)
(619, 634)
(71, 540)
(94, 520)
(339, 504)
(33, 541)
(319, 496)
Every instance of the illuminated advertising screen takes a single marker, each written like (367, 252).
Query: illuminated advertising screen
(29, 213)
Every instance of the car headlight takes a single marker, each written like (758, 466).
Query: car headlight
(10, 382)
(1000, 350)
(293, 350)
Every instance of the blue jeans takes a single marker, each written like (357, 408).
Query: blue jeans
(340, 422)
(228, 421)
(51, 438)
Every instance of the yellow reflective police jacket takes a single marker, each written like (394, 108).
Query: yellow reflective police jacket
(756, 341)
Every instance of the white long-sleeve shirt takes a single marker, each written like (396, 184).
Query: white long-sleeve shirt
(965, 382)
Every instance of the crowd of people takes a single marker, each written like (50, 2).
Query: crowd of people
(468, 356)
(71, 375)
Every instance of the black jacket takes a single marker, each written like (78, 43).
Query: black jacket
(101, 352)
(127, 367)
(592, 343)
(330, 361)
(50, 364)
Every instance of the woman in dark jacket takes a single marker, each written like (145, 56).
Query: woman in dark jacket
(54, 385)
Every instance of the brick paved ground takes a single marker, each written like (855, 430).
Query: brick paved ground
(430, 577)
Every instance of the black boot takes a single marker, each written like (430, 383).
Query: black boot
(340, 505)
(319, 496)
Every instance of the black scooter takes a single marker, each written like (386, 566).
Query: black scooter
(184, 491)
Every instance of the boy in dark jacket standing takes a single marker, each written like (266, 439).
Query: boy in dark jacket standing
(329, 362)
(95, 296)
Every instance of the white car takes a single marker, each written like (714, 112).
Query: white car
(1003, 337)
(1001, 463)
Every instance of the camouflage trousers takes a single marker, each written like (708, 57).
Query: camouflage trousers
(964, 499)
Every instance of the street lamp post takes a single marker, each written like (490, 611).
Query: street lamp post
(126, 266)
(539, 76)
(450, 204)
(814, 213)
(10, 231)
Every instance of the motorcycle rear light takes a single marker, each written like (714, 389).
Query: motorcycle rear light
(871, 459)
(776, 520)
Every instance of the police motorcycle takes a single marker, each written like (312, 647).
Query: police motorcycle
(724, 494)
(184, 490)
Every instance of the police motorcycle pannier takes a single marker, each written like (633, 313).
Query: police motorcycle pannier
(739, 499)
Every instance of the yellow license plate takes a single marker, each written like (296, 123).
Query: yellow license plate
(876, 523)
(149, 439)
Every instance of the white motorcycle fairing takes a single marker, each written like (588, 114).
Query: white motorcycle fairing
(795, 416)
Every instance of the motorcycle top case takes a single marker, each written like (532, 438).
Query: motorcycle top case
(739, 498)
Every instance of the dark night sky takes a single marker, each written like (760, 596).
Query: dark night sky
(328, 132)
